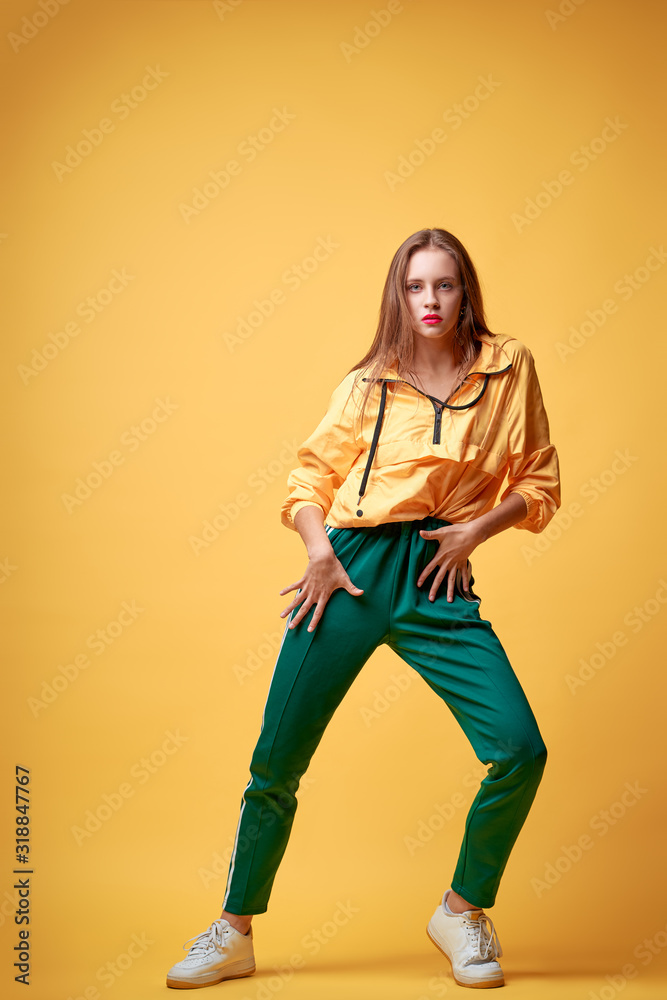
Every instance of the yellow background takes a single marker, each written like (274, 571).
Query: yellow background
(235, 412)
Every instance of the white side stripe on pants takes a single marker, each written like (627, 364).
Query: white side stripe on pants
(238, 825)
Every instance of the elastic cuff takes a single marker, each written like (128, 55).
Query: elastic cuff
(530, 503)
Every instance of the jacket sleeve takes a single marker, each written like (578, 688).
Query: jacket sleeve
(325, 457)
(533, 460)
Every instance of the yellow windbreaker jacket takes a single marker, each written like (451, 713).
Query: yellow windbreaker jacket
(417, 455)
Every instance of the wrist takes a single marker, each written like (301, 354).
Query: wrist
(320, 551)
(478, 529)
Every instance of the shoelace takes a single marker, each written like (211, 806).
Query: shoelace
(483, 937)
(206, 940)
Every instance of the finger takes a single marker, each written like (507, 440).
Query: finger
(351, 587)
(465, 578)
(286, 590)
(293, 603)
(301, 612)
(296, 619)
(426, 572)
(319, 611)
(437, 582)
(428, 536)
(451, 583)
(435, 586)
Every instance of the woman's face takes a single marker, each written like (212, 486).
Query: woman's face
(433, 289)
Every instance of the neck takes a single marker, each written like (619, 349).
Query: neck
(434, 356)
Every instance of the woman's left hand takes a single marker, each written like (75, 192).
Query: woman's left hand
(456, 542)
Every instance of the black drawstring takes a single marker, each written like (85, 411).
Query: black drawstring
(376, 435)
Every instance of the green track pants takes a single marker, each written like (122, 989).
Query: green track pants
(459, 656)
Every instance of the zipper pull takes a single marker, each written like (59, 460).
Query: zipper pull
(437, 423)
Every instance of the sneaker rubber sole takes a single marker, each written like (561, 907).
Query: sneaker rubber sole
(475, 984)
(235, 970)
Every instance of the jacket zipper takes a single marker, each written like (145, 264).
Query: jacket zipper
(437, 423)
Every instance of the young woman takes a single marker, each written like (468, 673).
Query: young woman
(396, 487)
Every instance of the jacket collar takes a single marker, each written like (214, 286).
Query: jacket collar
(492, 358)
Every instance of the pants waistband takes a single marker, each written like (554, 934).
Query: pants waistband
(400, 527)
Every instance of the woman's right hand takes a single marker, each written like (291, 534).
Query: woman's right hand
(324, 574)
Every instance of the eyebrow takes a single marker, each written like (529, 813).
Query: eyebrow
(449, 277)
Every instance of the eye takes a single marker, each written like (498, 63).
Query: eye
(415, 284)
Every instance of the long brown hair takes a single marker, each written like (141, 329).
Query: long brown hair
(393, 344)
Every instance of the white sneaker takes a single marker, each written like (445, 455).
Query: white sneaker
(221, 952)
(470, 942)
